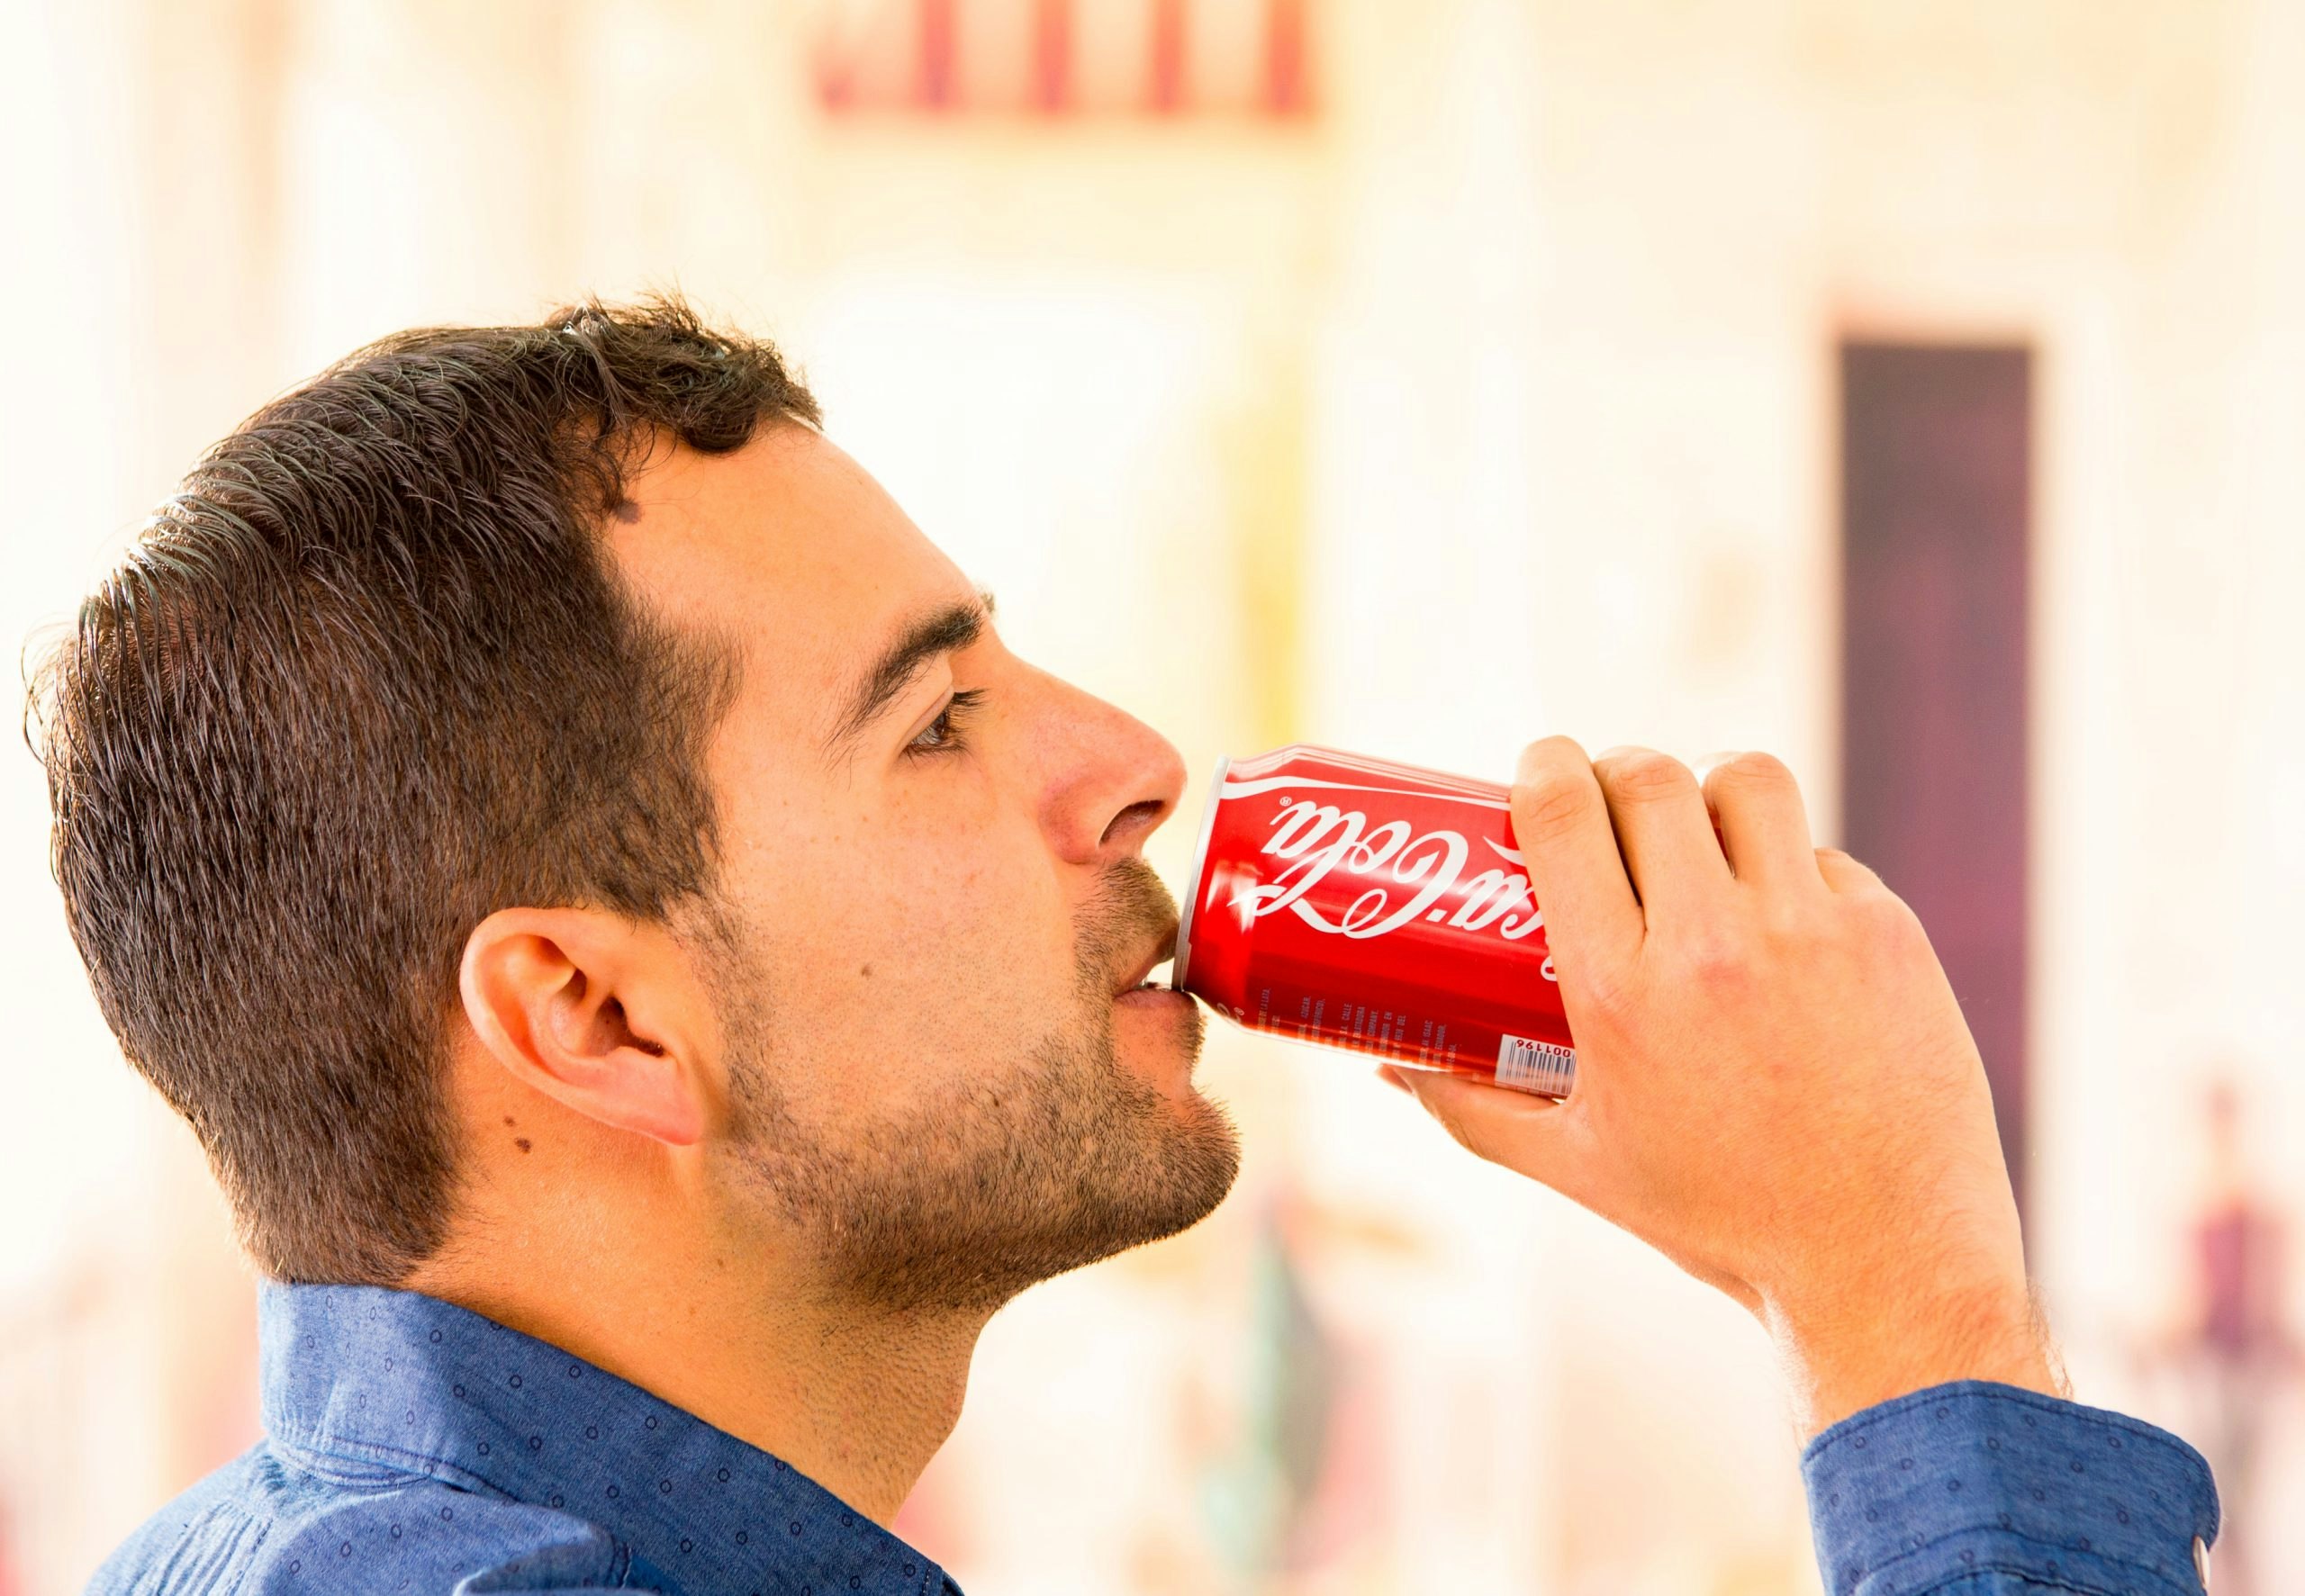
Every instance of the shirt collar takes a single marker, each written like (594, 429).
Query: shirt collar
(396, 1380)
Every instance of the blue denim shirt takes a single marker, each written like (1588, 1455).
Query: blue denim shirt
(414, 1446)
(1986, 1490)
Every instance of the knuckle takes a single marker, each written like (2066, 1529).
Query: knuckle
(1553, 750)
(1891, 922)
(1602, 988)
(1795, 921)
(1850, 875)
(1642, 775)
(1753, 772)
(1883, 926)
(1548, 804)
(1555, 756)
(1717, 959)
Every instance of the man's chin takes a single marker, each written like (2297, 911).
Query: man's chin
(1100, 1145)
(1193, 1169)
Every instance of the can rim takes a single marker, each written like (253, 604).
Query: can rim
(1192, 883)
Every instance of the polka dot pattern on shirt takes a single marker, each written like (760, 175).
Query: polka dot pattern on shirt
(1976, 1476)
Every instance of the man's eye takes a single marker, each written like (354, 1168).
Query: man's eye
(947, 732)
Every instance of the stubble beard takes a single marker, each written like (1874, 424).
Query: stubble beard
(992, 1185)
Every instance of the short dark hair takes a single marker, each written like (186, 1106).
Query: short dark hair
(368, 677)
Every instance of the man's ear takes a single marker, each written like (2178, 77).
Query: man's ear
(595, 1010)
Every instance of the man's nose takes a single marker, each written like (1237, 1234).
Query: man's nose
(1112, 779)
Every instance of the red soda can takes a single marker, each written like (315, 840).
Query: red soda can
(1352, 901)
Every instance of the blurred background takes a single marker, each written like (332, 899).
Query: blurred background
(1916, 389)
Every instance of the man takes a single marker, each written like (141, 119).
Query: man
(653, 974)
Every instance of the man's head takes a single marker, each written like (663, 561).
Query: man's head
(538, 749)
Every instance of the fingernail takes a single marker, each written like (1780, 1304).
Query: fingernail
(1391, 1077)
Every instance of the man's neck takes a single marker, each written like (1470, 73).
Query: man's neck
(856, 1400)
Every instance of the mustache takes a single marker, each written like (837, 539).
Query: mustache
(1131, 910)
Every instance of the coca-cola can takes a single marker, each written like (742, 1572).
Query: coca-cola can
(1362, 904)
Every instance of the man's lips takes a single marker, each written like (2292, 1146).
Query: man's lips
(1163, 950)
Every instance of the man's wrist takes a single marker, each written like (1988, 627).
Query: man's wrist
(1844, 1356)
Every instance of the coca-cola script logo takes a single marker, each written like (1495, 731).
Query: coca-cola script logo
(1410, 876)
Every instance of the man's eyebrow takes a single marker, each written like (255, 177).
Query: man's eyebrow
(955, 627)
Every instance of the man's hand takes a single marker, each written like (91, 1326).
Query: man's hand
(1775, 1086)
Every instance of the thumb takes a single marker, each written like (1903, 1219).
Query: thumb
(1530, 1135)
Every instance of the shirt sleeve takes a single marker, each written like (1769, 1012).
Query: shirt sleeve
(1979, 1489)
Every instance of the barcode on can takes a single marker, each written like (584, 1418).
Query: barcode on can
(1530, 1066)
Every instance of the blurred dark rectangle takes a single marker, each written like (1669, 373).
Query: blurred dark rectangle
(1936, 511)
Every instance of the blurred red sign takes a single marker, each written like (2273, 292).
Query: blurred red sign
(1059, 58)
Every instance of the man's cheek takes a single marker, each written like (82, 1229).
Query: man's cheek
(947, 981)
(992, 897)
(930, 941)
